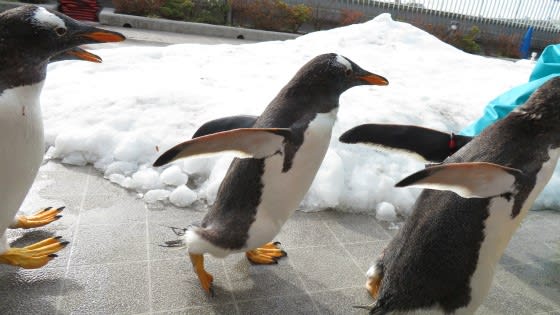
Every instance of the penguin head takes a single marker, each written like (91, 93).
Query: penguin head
(31, 35)
(336, 73)
(543, 107)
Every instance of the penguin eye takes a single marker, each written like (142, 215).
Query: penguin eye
(60, 31)
(348, 72)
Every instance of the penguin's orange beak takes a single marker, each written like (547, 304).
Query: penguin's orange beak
(104, 36)
(374, 79)
(82, 54)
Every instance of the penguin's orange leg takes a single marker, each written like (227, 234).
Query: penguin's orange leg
(43, 217)
(204, 277)
(373, 284)
(269, 253)
(33, 256)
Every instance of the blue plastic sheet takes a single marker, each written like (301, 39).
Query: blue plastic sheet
(547, 67)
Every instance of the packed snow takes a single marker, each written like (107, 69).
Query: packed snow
(122, 114)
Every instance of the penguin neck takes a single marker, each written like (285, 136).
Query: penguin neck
(21, 101)
(20, 74)
(321, 96)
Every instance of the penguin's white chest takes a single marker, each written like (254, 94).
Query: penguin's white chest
(21, 147)
(499, 228)
(283, 192)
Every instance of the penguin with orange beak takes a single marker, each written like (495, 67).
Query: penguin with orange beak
(30, 38)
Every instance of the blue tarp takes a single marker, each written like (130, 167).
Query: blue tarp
(547, 67)
(526, 43)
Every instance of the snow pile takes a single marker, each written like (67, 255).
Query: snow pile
(121, 115)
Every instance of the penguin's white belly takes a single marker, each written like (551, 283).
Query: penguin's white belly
(21, 149)
(499, 228)
(283, 192)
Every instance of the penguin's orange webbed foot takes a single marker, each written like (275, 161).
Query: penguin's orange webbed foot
(204, 277)
(43, 217)
(33, 256)
(373, 284)
(268, 254)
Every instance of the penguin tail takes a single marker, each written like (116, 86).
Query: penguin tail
(374, 308)
(179, 242)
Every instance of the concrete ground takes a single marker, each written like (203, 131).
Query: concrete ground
(114, 264)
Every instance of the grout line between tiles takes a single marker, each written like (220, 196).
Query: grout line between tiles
(74, 237)
(344, 247)
(230, 285)
(307, 292)
(150, 293)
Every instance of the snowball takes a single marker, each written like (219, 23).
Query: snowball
(173, 176)
(156, 195)
(146, 179)
(385, 212)
(182, 196)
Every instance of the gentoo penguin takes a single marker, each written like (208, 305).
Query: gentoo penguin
(443, 259)
(29, 37)
(287, 144)
(426, 144)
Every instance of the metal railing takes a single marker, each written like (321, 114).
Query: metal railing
(541, 14)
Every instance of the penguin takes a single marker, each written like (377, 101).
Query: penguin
(29, 37)
(442, 260)
(285, 147)
(427, 145)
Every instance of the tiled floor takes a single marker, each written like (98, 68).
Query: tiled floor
(114, 265)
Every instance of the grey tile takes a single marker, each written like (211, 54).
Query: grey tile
(107, 289)
(29, 291)
(159, 234)
(537, 286)
(326, 268)
(227, 309)
(526, 250)
(294, 305)
(99, 209)
(175, 285)
(341, 301)
(64, 181)
(499, 301)
(96, 244)
(354, 228)
(304, 229)
(250, 281)
(365, 254)
(170, 215)
(101, 186)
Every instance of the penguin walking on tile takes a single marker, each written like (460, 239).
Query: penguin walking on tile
(29, 37)
(286, 145)
(443, 259)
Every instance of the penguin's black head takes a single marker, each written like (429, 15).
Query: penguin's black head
(337, 74)
(31, 35)
(543, 107)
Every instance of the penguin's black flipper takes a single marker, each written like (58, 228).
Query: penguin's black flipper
(224, 124)
(247, 142)
(468, 180)
(431, 145)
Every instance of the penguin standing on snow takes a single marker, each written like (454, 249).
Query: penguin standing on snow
(287, 144)
(443, 258)
(29, 37)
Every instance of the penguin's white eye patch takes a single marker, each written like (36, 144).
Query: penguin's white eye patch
(343, 61)
(46, 19)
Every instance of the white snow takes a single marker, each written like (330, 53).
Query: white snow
(122, 114)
